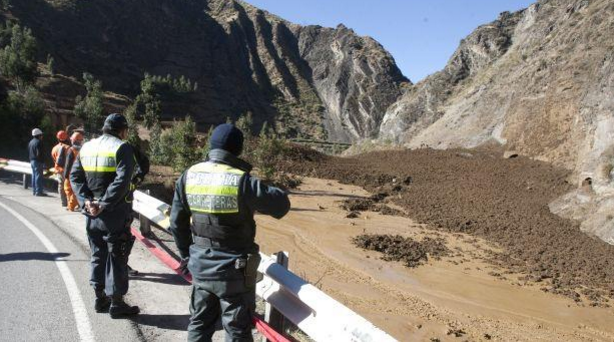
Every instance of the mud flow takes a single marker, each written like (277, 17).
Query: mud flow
(477, 192)
(407, 250)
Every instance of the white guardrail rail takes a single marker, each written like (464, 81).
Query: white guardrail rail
(311, 310)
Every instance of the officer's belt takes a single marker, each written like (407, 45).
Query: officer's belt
(232, 244)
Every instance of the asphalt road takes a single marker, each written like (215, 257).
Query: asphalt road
(44, 289)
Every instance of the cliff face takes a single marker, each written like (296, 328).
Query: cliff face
(538, 81)
(355, 78)
(242, 58)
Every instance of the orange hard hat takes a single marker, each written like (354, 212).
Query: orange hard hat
(76, 137)
(62, 135)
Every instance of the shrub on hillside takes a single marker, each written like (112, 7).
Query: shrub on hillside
(175, 146)
(18, 58)
(90, 108)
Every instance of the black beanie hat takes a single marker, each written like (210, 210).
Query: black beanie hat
(115, 122)
(227, 137)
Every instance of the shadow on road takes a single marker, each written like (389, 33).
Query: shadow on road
(163, 278)
(26, 256)
(169, 322)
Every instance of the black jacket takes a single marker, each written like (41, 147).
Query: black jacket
(110, 188)
(35, 150)
(218, 263)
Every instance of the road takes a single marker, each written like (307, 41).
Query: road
(44, 290)
(44, 282)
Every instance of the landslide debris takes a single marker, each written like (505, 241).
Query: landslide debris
(504, 201)
(407, 250)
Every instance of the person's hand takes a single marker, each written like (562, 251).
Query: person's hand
(183, 266)
(93, 207)
(137, 180)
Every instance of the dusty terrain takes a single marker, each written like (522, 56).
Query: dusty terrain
(460, 297)
(478, 192)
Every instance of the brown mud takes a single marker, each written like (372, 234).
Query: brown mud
(477, 192)
(407, 250)
(461, 294)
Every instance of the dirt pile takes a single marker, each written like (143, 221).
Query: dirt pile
(407, 250)
(375, 203)
(478, 192)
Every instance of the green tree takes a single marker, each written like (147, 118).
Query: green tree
(156, 150)
(19, 113)
(50, 65)
(18, 58)
(245, 124)
(267, 153)
(183, 144)
(90, 108)
(133, 128)
(149, 98)
(204, 150)
(175, 146)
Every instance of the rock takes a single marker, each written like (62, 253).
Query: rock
(510, 154)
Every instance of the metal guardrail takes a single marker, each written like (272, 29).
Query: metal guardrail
(314, 312)
(25, 169)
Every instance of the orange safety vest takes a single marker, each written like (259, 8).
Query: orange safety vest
(59, 152)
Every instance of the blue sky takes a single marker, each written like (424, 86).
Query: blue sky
(420, 34)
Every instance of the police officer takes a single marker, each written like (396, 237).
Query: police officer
(212, 222)
(101, 178)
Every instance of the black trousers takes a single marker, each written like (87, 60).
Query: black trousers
(231, 300)
(110, 243)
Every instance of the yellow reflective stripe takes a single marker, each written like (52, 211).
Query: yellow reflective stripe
(215, 168)
(213, 211)
(98, 154)
(211, 190)
(99, 168)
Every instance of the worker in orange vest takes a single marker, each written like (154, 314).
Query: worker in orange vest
(77, 141)
(58, 153)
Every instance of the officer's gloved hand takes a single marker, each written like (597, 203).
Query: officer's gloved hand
(137, 179)
(183, 266)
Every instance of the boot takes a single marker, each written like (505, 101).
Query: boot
(120, 308)
(102, 302)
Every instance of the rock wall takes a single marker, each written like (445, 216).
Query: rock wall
(538, 81)
(541, 82)
(243, 59)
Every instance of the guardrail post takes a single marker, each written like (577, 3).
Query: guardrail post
(145, 224)
(273, 317)
(25, 181)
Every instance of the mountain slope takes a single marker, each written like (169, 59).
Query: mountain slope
(242, 58)
(538, 80)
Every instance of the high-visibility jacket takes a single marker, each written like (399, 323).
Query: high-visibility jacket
(214, 203)
(58, 153)
(212, 192)
(108, 165)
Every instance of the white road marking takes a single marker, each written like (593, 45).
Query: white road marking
(84, 326)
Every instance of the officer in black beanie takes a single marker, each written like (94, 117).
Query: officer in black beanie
(220, 197)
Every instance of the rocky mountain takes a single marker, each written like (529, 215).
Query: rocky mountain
(539, 81)
(315, 82)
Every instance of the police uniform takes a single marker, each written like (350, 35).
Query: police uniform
(212, 222)
(103, 172)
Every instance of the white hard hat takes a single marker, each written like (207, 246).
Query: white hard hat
(36, 132)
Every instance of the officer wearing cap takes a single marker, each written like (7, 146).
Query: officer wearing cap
(101, 178)
(212, 222)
